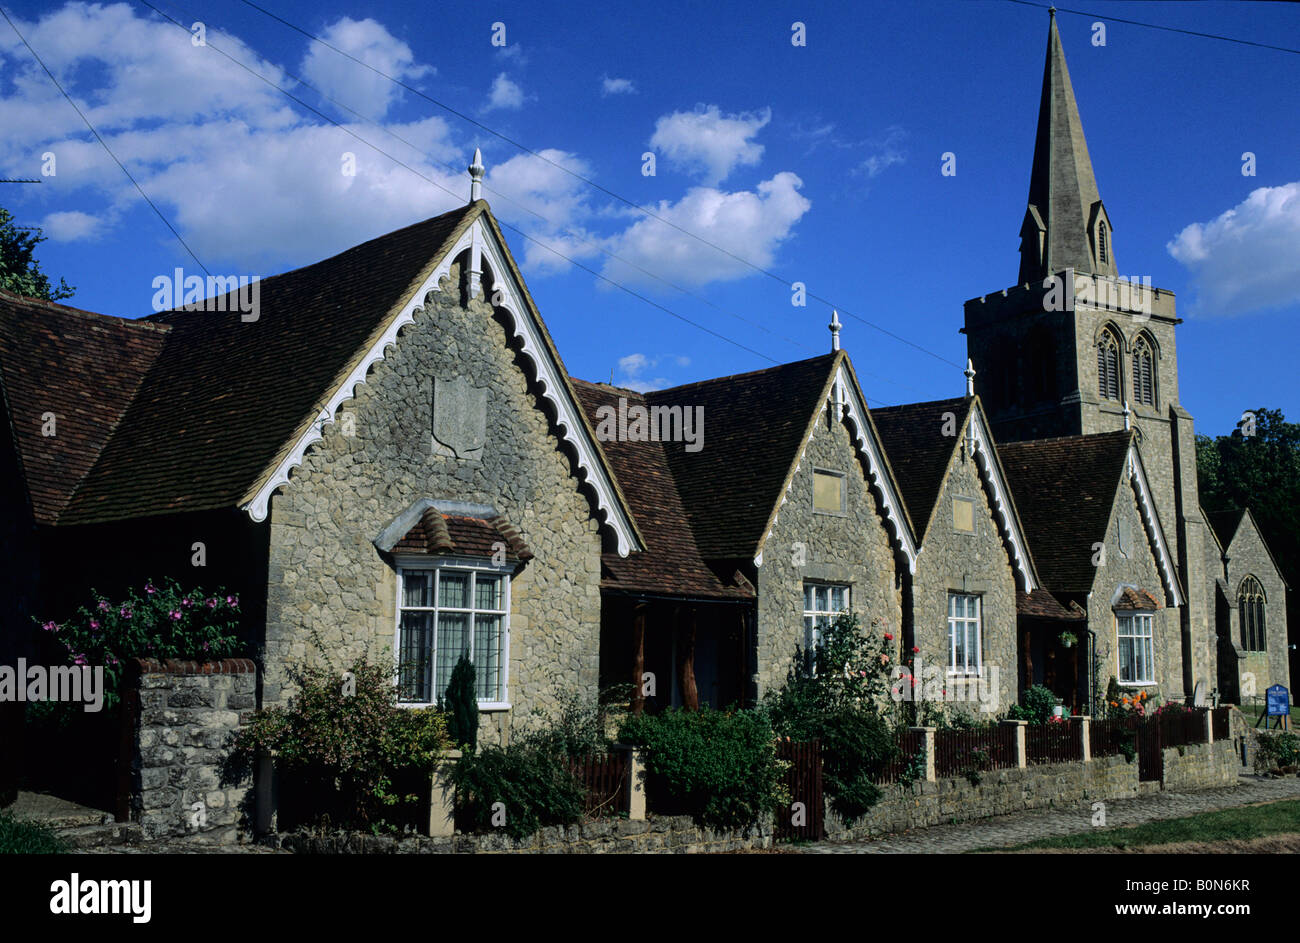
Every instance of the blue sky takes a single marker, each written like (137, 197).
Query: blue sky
(819, 164)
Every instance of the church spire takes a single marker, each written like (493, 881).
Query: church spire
(1065, 225)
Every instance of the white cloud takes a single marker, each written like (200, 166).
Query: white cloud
(533, 193)
(631, 373)
(610, 86)
(1247, 258)
(887, 152)
(504, 94)
(747, 224)
(354, 85)
(250, 184)
(71, 226)
(708, 142)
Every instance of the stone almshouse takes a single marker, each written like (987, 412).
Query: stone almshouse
(392, 461)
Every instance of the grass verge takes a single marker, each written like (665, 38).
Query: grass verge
(27, 838)
(1247, 822)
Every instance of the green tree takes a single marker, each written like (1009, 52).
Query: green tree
(462, 705)
(19, 270)
(1261, 472)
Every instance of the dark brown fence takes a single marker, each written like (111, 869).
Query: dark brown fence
(1053, 743)
(804, 781)
(604, 778)
(910, 744)
(984, 748)
(1221, 718)
(1180, 728)
(1113, 737)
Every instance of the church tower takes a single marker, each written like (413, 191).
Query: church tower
(1075, 348)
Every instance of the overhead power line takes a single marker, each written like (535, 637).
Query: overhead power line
(102, 142)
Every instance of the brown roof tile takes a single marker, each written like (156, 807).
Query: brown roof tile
(1065, 489)
(437, 533)
(1132, 598)
(85, 368)
(1040, 604)
(919, 452)
(672, 562)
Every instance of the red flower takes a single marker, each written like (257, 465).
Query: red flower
(915, 650)
(888, 637)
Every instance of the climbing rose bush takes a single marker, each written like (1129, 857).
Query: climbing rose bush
(160, 620)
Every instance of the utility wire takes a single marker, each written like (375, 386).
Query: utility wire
(591, 183)
(435, 183)
(103, 143)
(1167, 29)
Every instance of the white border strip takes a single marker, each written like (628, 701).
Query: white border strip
(992, 476)
(1138, 477)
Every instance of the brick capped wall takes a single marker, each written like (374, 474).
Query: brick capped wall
(186, 716)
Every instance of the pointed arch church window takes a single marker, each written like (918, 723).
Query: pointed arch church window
(1108, 366)
(1144, 373)
(1250, 606)
(1101, 242)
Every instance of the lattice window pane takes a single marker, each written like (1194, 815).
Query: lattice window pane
(488, 637)
(414, 661)
(453, 641)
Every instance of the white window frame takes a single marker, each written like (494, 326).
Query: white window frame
(811, 633)
(1136, 621)
(966, 622)
(474, 567)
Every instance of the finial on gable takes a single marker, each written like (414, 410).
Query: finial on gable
(835, 326)
(476, 176)
(970, 377)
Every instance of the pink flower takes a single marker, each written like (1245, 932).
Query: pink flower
(79, 660)
(212, 603)
(175, 615)
(124, 612)
(50, 627)
(884, 660)
(862, 674)
(187, 602)
(112, 659)
(94, 625)
(205, 646)
(150, 588)
(103, 605)
(232, 601)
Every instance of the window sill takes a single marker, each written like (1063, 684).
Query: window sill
(1137, 684)
(484, 707)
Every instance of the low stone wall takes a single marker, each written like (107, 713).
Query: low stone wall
(1202, 765)
(999, 792)
(186, 715)
(662, 834)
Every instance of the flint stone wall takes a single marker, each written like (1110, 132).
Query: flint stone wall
(189, 714)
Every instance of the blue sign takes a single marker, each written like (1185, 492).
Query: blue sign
(1279, 701)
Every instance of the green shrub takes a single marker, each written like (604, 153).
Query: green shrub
(1037, 705)
(27, 838)
(534, 787)
(1275, 752)
(839, 704)
(352, 758)
(165, 621)
(716, 766)
(462, 705)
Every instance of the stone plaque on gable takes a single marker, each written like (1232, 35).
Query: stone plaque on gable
(459, 416)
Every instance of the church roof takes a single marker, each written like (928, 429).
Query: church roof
(1062, 189)
(1065, 490)
(1225, 524)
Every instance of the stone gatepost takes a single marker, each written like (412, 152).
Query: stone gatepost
(1208, 715)
(929, 751)
(1022, 748)
(1083, 729)
(442, 798)
(634, 795)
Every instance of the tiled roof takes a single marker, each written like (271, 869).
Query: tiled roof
(85, 368)
(437, 533)
(1132, 598)
(672, 562)
(229, 397)
(919, 452)
(754, 426)
(1064, 489)
(1040, 604)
